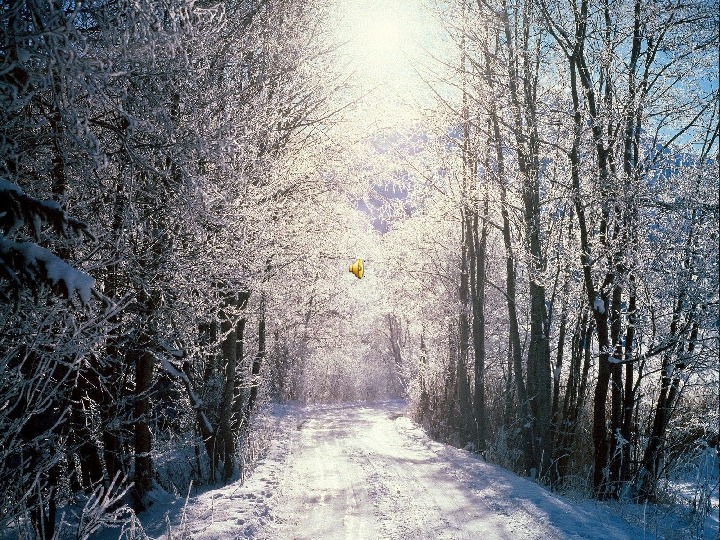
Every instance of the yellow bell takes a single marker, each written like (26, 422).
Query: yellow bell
(358, 268)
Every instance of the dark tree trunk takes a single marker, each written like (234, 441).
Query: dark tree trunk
(143, 477)
(395, 340)
(597, 298)
(556, 416)
(629, 393)
(112, 376)
(464, 399)
(203, 422)
(450, 397)
(240, 336)
(477, 291)
(599, 429)
(81, 437)
(514, 328)
(522, 80)
(143, 358)
(616, 396)
(229, 357)
(256, 365)
(575, 395)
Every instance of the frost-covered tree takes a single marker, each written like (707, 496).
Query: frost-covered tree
(163, 127)
(566, 123)
(624, 62)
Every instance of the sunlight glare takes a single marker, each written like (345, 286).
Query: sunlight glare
(382, 46)
(377, 38)
(381, 36)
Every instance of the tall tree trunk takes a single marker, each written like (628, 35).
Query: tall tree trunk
(450, 396)
(633, 124)
(575, 394)
(477, 291)
(142, 357)
(228, 347)
(522, 80)
(395, 341)
(112, 388)
(244, 297)
(629, 394)
(80, 434)
(616, 395)
(256, 366)
(514, 328)
(556, 416)
(204, 426)
(597, 299)
(467, 423)
(144, 368)
(464, 399)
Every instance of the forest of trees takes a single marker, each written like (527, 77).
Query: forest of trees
(586, 197)
(178, 209)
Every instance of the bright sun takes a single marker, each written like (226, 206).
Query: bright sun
(384, 44)
(375, 37)
(380, 35)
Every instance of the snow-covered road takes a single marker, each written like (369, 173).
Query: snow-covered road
(368, 472)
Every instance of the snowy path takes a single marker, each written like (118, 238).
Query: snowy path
(367, 472)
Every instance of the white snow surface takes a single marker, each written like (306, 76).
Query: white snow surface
(366, 471)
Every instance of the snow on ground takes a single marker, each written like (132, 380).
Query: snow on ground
(364, 471)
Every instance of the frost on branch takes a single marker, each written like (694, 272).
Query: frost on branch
(18, 210)
(104, 508)
(26, 264)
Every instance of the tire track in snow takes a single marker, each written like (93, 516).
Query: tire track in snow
(324, 494)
